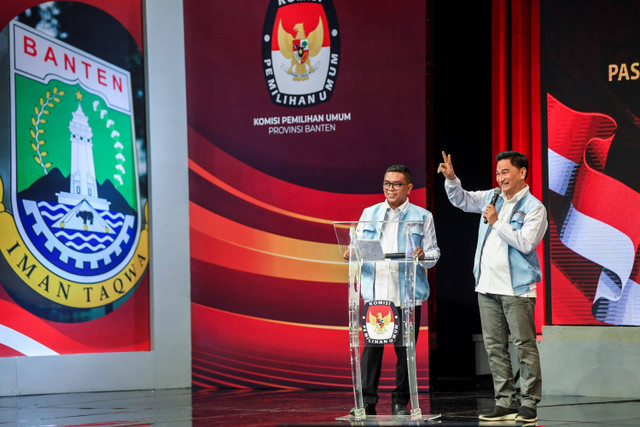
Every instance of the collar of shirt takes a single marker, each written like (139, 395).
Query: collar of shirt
(400, 209)
(508, 205)
(519, 195)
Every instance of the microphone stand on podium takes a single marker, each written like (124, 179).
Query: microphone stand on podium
(380, 320)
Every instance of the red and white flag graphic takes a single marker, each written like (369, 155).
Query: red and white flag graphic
(595, 226)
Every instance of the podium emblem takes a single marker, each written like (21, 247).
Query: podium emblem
(380, 322)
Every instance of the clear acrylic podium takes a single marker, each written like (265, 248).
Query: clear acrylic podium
(358, 243)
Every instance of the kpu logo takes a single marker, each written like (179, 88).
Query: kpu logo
(380, 322)
(74, 242)
(300, 51)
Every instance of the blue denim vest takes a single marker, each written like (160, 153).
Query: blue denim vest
(373, 231)
(524, 268)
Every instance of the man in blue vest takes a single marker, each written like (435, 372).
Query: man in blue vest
(506, 270)
(380, 281)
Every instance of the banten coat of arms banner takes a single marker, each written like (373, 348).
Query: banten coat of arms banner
(74, 238)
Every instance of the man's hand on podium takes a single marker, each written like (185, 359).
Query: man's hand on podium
(418, 252)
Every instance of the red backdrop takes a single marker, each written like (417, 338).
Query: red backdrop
(515, 50)
(269, 294)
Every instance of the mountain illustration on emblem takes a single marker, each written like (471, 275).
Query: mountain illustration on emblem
(77, 223)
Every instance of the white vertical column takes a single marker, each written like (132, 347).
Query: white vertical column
(169, 192)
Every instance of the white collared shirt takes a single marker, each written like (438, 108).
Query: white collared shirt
(524, 240)
(495, 277)
(386, 278)
(388, 272)
(387, 286)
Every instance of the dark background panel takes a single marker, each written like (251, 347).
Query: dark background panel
(462, 128)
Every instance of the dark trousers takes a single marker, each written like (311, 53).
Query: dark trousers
(371, 363)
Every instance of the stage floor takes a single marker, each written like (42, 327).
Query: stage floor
(185, 407)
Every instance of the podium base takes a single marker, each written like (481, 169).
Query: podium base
(405, 420)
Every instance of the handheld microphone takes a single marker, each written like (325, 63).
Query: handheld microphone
(494, 199)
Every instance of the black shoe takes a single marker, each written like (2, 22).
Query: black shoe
(527, 415)
(499, 413)
(399, 409)
(369, 409)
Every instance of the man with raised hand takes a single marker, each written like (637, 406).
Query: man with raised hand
(506, 270)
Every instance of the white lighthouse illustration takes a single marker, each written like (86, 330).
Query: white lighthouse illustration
(83, 191)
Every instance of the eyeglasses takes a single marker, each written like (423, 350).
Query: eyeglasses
(395, 185)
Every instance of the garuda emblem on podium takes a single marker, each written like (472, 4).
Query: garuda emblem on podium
(380, 322)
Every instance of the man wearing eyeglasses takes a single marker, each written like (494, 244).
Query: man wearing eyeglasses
(380, 280)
